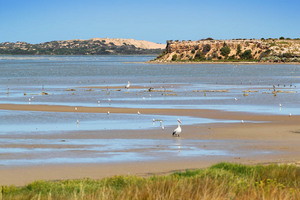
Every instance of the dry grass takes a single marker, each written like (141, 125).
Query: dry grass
(221, 181)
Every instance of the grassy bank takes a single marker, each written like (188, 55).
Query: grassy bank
(221, 181)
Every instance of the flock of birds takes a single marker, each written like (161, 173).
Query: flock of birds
(176, 132)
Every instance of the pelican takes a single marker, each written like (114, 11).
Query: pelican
(177, 131)
(128, 85)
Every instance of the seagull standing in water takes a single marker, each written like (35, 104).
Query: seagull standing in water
(177, 131)
(128, 85)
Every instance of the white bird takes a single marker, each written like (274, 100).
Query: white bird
(177, 131)
(243, 122)
(75, 108)
(98, 102)
(108, 112)
(280, 105)
(29, 100)
(138, 113)
(235, 99)
(77, 121)
(128, 85)
(290, 114)
(162, 128)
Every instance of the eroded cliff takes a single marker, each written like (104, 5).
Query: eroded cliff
(270, 50)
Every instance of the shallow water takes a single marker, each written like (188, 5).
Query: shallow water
(111, 150)
(35, 122)
(25, 77)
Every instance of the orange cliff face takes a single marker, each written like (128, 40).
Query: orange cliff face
(212, 50)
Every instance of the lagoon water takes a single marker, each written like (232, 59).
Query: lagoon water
(25, 77)
(55, 74)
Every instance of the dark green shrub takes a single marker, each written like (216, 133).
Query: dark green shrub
(281, 38)
(287, 55)
(246, 55)
(200, 56)
(174, 57)
(231, 57)
(225, 51)
(206, 49)
(238, 51)
(193, 51)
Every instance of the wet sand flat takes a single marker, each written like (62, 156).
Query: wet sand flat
(276, 134)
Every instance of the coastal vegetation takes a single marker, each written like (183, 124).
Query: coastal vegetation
(280, 50)
(79, 47)
(220, 181)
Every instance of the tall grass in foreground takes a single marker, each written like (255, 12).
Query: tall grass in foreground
(221, 181)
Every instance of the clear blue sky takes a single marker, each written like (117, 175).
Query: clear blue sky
(38, 21)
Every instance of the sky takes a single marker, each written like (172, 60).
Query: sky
(37, 21)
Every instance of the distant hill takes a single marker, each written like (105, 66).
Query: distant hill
(95, 46)
(236, 50)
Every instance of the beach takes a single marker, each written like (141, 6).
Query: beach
(59, 122)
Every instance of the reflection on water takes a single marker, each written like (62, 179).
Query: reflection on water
(35, 122)
(54, 151)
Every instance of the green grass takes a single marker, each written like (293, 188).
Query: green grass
(220, 181)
